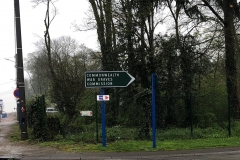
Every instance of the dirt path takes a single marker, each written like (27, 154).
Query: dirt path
(10, 149)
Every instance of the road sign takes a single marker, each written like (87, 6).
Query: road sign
(107, 79)
(16, 93)
(102, 97)
(86, 113)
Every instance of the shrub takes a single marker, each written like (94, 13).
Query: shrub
(72, 125)
(235, 128)
(206, 120)
(53, 127)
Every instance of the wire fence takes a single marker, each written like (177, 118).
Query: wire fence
(177, 117)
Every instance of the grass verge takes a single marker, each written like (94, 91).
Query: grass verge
(133, 146)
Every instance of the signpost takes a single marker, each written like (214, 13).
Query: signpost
(154, 136)
(20, 71)
(103, 120)
(107, 79)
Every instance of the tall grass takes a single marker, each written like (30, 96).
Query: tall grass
(120, 133)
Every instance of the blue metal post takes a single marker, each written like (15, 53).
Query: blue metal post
(154, 109)
(103, 121)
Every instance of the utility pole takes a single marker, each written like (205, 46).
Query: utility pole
(20, 73)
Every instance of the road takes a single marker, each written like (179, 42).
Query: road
(24, 151)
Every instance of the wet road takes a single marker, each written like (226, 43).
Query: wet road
(10, 149)
(206, 155)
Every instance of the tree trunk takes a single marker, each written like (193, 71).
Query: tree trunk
(230, 61)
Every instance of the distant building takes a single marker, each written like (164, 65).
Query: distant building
(1, 106)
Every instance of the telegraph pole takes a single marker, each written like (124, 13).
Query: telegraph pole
(20, 73)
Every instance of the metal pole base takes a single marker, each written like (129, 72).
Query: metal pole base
(24, 135)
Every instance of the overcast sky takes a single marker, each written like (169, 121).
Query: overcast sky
(32, 27)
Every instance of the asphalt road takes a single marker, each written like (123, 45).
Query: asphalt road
(208, 154)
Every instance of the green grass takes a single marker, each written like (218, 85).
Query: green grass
(130, 146)
(15, 135)
(172, 139)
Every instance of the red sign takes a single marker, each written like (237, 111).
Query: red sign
(16, 93)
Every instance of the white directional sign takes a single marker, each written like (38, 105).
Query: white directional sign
(102, 97)
(86, 113)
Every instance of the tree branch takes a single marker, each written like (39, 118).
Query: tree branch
(213, 11)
